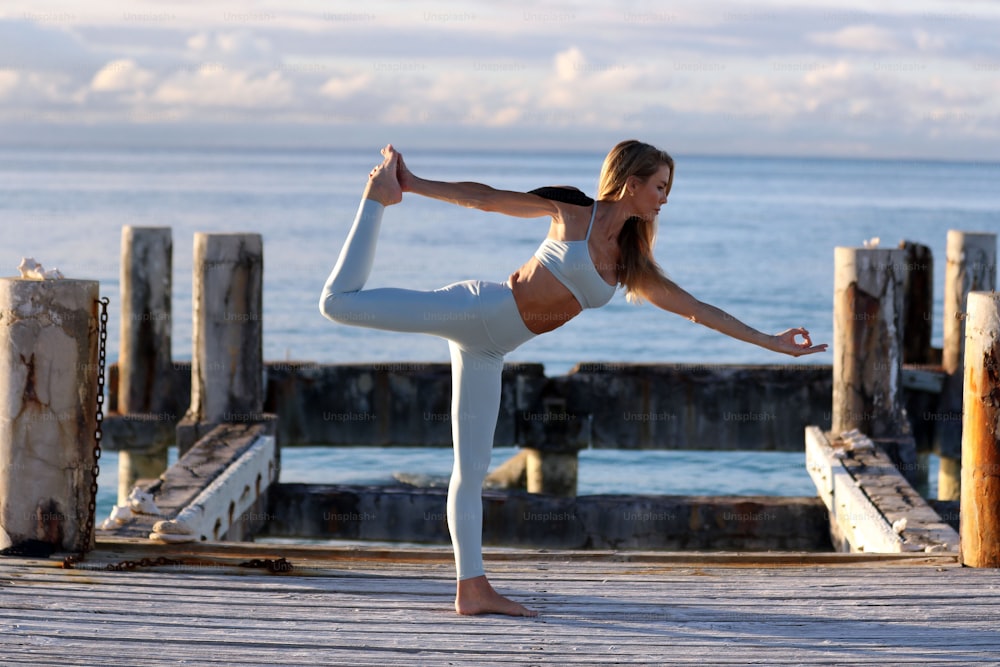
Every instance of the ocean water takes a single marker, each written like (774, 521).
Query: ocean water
(754, 236)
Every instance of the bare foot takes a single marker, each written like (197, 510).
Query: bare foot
(476, 596)
(383, 185)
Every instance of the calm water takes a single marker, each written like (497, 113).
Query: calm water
(754, 236)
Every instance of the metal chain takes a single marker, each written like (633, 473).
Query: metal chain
(274, 566)
(126, 565)
(88, 527)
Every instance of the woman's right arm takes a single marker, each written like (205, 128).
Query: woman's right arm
(477, 195)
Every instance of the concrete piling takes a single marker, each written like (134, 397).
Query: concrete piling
(227, 372)
(144, 389)
(49, 337)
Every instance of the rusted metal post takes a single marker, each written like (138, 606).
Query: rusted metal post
(145, 373)
(227, 370)
(867, 341)
(49, 336)
(980, 505)
(972, 267)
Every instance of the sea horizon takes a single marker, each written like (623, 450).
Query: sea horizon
(196, 147)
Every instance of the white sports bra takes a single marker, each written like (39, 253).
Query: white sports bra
(570, 263)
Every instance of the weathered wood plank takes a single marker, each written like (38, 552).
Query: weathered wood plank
(868, 499)
(341, 607)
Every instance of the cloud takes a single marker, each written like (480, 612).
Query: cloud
(30, 46)
(241, 46)
(34, 94)
(121, 75)
(8, 81)
(778, 74)
(569, 63)
(218, 86)
(859, 38)
(342, 87)
(820, 76)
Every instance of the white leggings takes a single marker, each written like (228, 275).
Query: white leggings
(481, 322)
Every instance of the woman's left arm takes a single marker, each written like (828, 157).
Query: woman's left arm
(672, 298)
(477, 195)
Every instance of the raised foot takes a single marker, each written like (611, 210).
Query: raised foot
(383, 184)
(476, 596)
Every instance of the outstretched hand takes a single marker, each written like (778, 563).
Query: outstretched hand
(403, 174)
(383, 183)
(786, 342)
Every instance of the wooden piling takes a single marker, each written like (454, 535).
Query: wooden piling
(49, 336)
(918, 319)
(980, 508)
(551, 473)
(227, 371)
(918, 302)
(867, 341)
(144, 389)
(552, 447)
(971, 267)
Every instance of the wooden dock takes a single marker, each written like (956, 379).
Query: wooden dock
(373, 606)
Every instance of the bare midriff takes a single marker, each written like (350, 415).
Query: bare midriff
(544, 302)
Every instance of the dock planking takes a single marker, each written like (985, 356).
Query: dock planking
(392, 606)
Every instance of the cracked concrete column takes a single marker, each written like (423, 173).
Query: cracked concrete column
(227, 369)
(867, 340)
(971, 267)
(980, 506)
(49, 336)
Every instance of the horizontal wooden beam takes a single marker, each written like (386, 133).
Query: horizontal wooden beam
(873, 508)
(207, 492)
(519, 519)
(928, 379)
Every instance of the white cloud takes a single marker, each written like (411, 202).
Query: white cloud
(217, 86)
(41, 90)
(858, 38)
(8, 81)
(797, 75)
(404, 114)
(231, 47)
(828, 74)
(121, 75)
(44, 48)
(199, 42)
(927, 41)
(569, 63)
(342, 87)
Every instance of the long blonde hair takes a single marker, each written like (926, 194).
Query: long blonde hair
(636, 266)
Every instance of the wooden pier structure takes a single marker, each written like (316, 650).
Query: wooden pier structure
(393, 606)
(886, 584)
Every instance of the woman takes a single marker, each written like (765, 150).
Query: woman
(591, 249)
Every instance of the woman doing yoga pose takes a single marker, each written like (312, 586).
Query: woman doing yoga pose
(592, 247)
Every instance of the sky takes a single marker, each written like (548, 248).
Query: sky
(893, 79)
